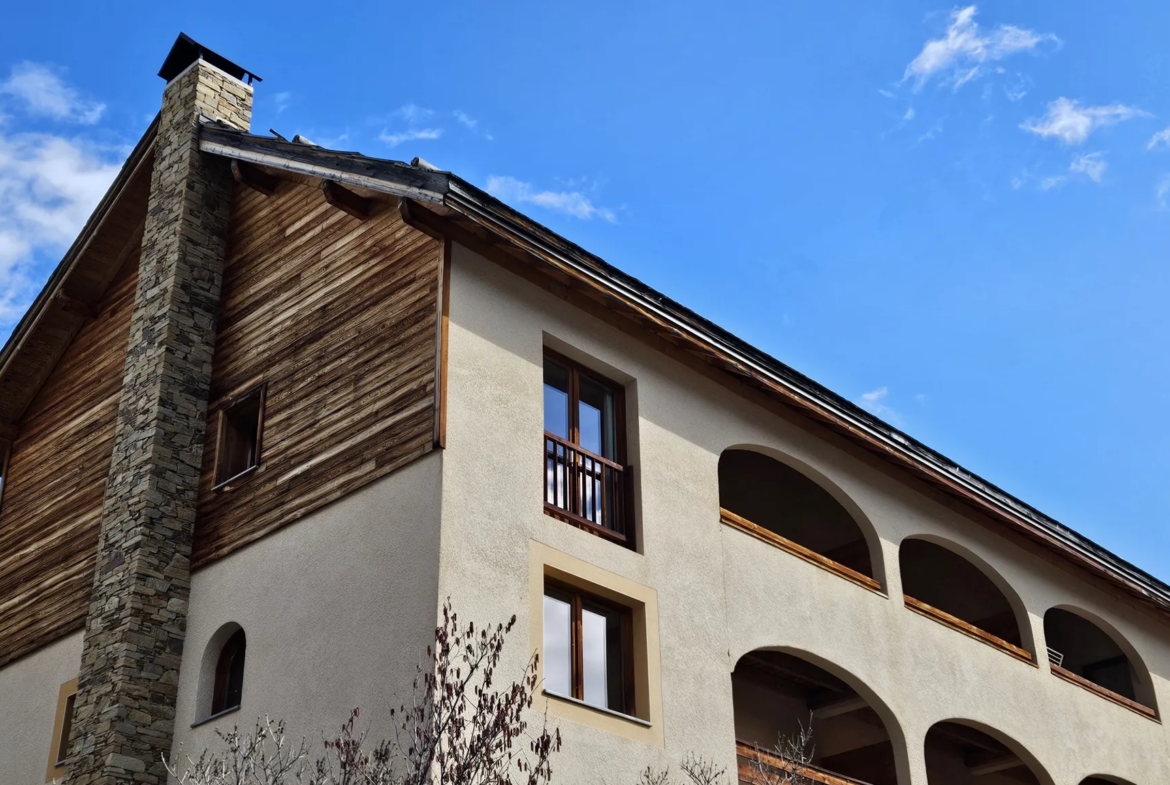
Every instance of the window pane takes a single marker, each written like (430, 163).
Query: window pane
(556, 399)
(594, 658)
(558, 654)
(596, 418)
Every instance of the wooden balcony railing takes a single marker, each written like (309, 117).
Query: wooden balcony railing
(584, 489)
(757, 766)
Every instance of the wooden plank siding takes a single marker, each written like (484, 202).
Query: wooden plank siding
(52, 498)
(337, 316)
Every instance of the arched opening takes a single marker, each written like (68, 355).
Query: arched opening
(959, 753)
(221, 673)
(767, 497)
(1079, 650)
(1098, 779)
(776, 694)
(939, 583)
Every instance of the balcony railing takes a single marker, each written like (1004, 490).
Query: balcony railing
(584, 489)
(757, 766)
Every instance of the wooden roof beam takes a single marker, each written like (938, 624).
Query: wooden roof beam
(74, 306)
(346, 200)
(254, 177)
(837, 708)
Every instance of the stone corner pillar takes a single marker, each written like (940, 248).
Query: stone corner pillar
(125, 710)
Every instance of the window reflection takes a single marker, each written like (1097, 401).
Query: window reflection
(585, 649)
(556, 399)
(558, 650)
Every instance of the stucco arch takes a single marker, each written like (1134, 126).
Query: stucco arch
(862, 521)
(1029, 760)
(1019, 610)
(892, 726)
(1144, 684)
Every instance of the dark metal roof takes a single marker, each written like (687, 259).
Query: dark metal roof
(187, 50)
(458, 194)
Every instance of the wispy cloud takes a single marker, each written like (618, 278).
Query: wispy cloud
(420, 134)
(1091, 166)
(909, 114)
(874, 402)
(282, 100)
(418, 128)
(965, 50)
(574, 203)
(42, 93)
(1160, 139)
(465, 119)
(1072, 123)
(1163, 191)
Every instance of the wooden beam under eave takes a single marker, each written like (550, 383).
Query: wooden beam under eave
(254, 177)
(8, 432)
(75, 307)
(346, 200)
(838, 708)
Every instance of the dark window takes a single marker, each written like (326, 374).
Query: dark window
(229, 674)
(66, 729)
(238, 445)
(587, 652)
(585, 478)
(1081, 647)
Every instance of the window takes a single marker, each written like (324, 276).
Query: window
(62, 727)
(229, 674)
(584, 450)
(237, 449)
(587, 652)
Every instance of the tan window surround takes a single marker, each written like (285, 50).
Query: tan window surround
(545, 562)
(67, 690)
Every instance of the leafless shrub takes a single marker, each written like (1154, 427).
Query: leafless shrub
(785, 764)
(458, 730)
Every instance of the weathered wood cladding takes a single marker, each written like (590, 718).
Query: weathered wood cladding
(52, 503)
(337, 316)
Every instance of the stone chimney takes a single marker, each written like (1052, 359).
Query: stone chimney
(125, 711)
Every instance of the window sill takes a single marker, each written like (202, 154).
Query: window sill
(970, 630)
(799, 551)
(599, 709)
(215, 716)
(231, 482)
(1103, 692)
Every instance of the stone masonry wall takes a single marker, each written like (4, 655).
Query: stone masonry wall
(125, 711)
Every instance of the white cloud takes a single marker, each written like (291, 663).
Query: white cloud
(1092, 165)
(49, 185)
(1164, 191)
(874, 402)
(1072, 123)
(574, 203)
(41, 92)
(282, 100)
(1161, 138)
(465, 119)
(415, 117)
(966, 49)
(418, 134)
(909, 114)
(886, 93)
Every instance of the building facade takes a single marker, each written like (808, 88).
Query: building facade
(278, 403)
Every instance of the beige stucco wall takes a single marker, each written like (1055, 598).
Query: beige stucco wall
(722, 593)
(336, 609)
(28, 705)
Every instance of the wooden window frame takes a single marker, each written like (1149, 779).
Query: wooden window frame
(576, 369)
(260, 392)
(579, 599)
(62, 727)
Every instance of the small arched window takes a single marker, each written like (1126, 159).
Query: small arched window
(229, 674)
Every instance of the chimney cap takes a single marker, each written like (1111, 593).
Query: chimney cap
(187, 50)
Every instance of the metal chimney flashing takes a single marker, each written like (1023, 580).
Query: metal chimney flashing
(187, 50)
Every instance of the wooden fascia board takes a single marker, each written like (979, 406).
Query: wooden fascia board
(281, 163)
(891, 446)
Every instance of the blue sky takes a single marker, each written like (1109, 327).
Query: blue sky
(958, 217)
